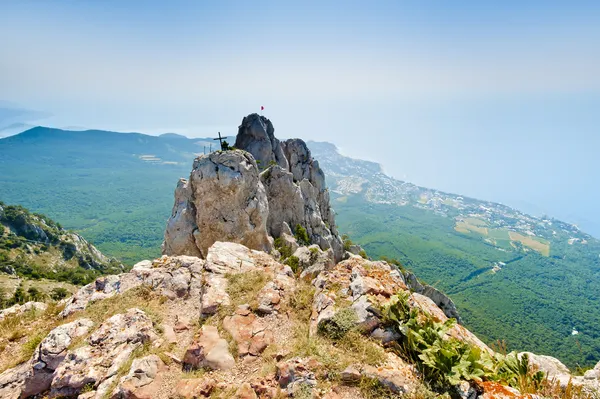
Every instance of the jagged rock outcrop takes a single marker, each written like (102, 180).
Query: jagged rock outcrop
(222, 201)
(256, 135)
(226, 199)
(295, 188)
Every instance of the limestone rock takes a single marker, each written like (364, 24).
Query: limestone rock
(245, 391)
(181, 226)
(248, 331)
(552, 367)
(295, 373)
(440, 299)
(143, 380)
(312, 260)
(174, 277)
(35, 376)
(208, 350)
(256, 135)
(20, 309)
(109, 347)
(286, 202)
(194, 388)
(223, 200)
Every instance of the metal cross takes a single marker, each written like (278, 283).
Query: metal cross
(220, 141)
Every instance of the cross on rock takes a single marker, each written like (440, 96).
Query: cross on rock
(223, 142)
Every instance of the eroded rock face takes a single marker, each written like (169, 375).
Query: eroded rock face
(208, 350)
(225, 199)
(143, 381)
(295, 188)
(256, 135)
(222, 201)
(108, 348)
(181, 226)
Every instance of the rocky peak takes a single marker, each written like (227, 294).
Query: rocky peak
(252, 195)
(257, 136)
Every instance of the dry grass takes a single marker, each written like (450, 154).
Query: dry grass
(32, 325)
(36, 325)
(244, 287)
(299, 303)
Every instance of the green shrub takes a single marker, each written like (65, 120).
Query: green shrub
(347, 242)
(284, 250)
(301, 235)
(34, 294)
(59, 293)
(445, 361)
(294, 263)
(339, 325)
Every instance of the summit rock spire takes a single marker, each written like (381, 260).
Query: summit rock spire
(251, 195)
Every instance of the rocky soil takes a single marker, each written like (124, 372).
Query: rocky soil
(236, 324)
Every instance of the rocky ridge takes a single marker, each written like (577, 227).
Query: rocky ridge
(266, 189)
(239, 317)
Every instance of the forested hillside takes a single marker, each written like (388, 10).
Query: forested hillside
(36, 252)
(115, 189)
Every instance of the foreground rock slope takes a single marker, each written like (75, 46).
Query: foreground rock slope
(241, 324)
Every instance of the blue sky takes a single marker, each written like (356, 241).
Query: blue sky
(496, 100)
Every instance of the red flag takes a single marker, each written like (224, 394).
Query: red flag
(262, 108)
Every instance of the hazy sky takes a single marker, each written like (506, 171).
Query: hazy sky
(500, 102)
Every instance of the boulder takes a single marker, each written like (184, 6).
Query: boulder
(194, 388)
(552, 367)
(441, 300)
(245, 391)
(208, 350)
(17, 309)
(248, 331)
(223, 200)
(35, 376)
(313, 260)
(143, 381)
(108, 348)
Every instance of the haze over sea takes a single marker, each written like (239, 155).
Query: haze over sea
(497, 102)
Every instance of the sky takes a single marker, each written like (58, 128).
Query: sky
(494, 100)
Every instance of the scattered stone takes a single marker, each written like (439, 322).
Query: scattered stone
(170, 335)
(245, 391)
(143, 380)
(351, 375)
(208, 350)
(249, 332)
(195, 388)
